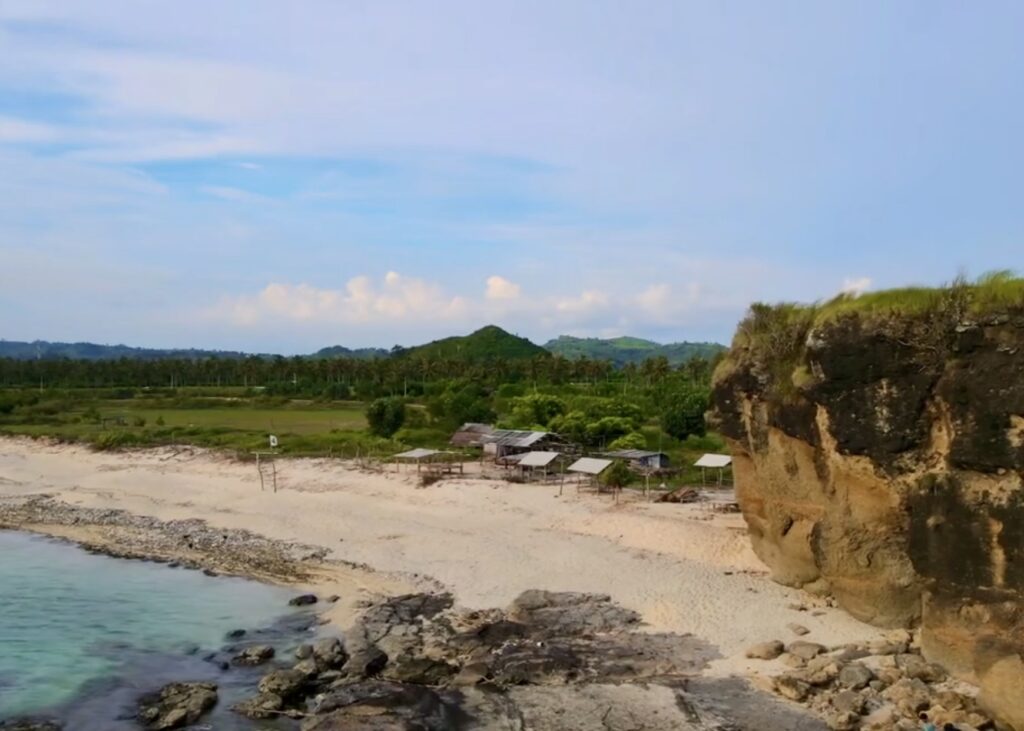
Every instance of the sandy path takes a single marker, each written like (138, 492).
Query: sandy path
(485, 540)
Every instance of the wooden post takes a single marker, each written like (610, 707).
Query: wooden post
(273, 465)
(259, 469)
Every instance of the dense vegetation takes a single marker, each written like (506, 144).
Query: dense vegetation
(345, 406)
(620, 351)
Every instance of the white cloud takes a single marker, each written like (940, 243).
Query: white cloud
(410, 304)
(855, 286)
(360, 302)
(499, 288)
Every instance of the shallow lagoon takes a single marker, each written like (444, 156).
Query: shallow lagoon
(82, 635)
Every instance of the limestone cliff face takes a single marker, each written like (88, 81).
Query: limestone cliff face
(884, 462)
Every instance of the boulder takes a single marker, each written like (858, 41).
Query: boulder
(909, 695)
(303, 600)
(805, 650)
(855, 676)
(765, 650)
(329, 653)
(792, 688)
(177, 704)
(285, 683)
(798, 629)
(254, 655)
(263, 705)
(848, 701)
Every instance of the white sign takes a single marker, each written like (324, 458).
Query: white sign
(273, 442)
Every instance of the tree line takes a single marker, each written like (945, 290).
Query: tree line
(340, 378)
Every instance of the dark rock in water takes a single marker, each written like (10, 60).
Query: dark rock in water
(303, 600)
(177, 705)
(210, 572)
(264, 705)
(30, 724)
(235, 634)
(255, 655)
(379, 705)
(284, 683)
(303, 651)
(329, 654)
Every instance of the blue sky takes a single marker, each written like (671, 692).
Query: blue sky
(276, 176)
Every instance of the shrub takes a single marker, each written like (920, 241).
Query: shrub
(537, 408)
(386, 416)
(633, 440)
(617, 475)
(684, 413)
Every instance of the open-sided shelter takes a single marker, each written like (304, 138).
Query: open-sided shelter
(713, 461)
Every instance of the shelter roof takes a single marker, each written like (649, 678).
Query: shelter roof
(714, 460)
(590, 465)
(515, 438)
(633, 454)
(418, 453)
(538, 459)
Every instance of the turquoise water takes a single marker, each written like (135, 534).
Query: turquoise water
(77, 627)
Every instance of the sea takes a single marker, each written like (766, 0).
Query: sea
(83, 636)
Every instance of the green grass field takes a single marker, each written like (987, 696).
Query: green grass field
(289, 420)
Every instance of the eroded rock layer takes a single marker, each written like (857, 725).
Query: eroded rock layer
(881, 459)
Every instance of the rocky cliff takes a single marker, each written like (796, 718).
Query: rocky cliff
(879, 457)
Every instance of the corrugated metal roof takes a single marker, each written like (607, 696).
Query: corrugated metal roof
(538, 459)
(514, 438)
(418, 453)
(714, 460)
(633, 454)
(590, 465)
(471, 435)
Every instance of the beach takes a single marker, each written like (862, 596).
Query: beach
(683, 568)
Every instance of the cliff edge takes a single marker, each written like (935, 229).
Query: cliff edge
(878, 445)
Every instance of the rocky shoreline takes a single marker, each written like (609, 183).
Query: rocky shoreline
(188, 543)
(553, 660)
(549, 660)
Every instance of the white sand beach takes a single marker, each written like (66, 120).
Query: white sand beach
(685, 569)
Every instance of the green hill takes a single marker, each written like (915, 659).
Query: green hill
(626, 349)
(340, 351)
(487, 343)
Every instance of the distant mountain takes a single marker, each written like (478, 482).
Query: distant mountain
(91, 351)
(340, 351)
(487, 343)
(623, 350)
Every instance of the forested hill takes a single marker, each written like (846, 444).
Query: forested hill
(45, 350)
(487, 343)
(621, 351)
(340, 351)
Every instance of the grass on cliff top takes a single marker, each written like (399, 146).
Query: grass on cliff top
(777, 334)
(990, 292)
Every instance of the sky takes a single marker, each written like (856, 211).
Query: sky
(277, 177)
